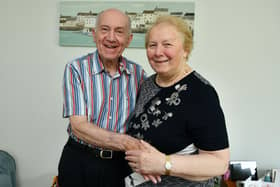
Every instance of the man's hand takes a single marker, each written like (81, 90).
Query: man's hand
(126, 142)
(99, 137)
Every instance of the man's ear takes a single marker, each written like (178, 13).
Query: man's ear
(94, 35)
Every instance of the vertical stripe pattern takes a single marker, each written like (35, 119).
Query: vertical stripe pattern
(106, 101)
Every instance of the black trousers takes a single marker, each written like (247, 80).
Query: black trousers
(79, 166)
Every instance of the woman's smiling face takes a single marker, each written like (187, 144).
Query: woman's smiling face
(165, 50)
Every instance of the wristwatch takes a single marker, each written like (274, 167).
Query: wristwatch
(167, 165)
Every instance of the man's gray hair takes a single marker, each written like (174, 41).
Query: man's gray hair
(128, 18)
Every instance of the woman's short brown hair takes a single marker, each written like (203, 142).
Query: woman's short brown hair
(181, 26)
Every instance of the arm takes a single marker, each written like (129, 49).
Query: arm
(202, 166)
(95, 135)
(103, 138)
(75, 107)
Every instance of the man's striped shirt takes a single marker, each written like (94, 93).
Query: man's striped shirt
(90, 91)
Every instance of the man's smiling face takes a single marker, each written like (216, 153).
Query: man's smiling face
(112, 35)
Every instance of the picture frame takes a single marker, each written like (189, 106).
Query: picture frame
(77, 18)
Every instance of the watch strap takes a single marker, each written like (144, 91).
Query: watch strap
(167, 165)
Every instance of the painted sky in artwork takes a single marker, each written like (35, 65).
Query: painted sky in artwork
(70, 8)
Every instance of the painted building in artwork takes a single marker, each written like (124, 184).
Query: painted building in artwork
(189, 17)
(88, 19)
(137, 23)
(140, 21)
(69, 23)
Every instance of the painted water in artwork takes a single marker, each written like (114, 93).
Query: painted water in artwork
(77, 19)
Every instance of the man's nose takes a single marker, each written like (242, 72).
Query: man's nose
(111, 36)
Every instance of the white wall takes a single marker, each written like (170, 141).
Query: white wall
(236, 48)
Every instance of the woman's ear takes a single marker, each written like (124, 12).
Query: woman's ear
(186, 53)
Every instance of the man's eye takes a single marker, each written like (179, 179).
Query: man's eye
(119, 32)
(104, 29)
(151, 45)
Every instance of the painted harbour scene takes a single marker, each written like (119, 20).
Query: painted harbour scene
(77, 19)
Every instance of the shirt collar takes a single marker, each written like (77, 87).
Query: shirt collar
(98, 67)
(123, 66)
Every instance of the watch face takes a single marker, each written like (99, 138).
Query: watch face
(168, 165)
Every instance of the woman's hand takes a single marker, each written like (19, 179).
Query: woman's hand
(147, 160)
(140, 160)
(154, 178)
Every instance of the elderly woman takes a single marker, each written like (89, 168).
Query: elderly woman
(178, 116)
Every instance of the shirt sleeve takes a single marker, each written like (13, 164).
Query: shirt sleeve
(208, 128)
(73, 95)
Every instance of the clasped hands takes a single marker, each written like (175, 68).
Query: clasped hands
(146, 160)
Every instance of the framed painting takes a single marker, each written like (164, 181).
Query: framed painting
(77, 18)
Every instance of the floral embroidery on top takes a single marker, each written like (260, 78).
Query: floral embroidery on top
(155, 110)
(157, 122)
(167, 115)
(181, 88)
(145, 122)
(174, 98)
(139, 136)
(136, 126)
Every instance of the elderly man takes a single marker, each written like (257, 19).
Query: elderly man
(99, 94)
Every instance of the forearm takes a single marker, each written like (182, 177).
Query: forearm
(99, 137)
(94, 135)
(201, 166)
(198, 167)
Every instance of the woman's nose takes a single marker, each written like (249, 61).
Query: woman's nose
(158, 50)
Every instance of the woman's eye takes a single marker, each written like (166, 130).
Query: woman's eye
(167, 44)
